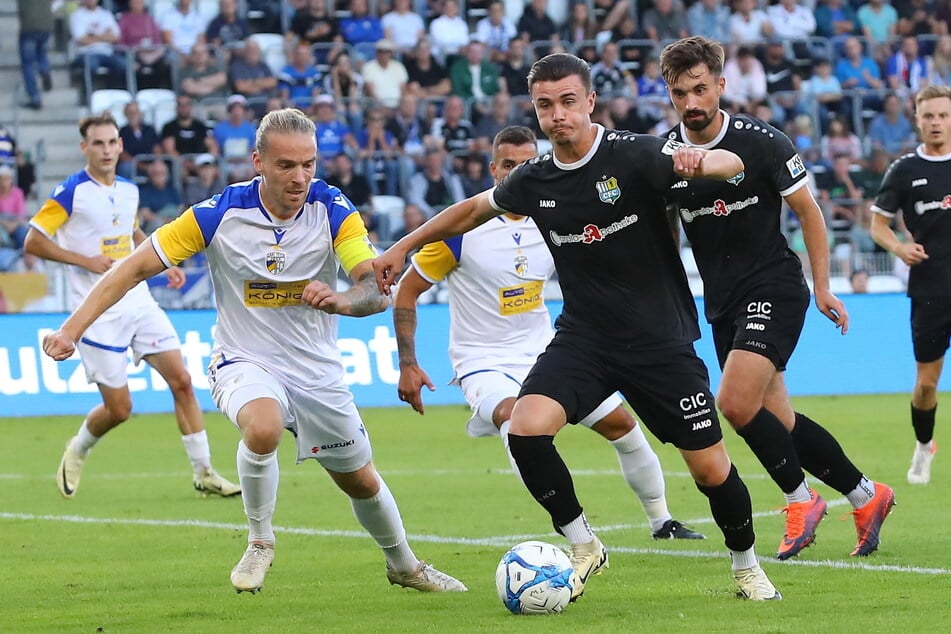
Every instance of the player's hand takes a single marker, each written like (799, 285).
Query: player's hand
(98, 264)
(387, 268)
(911, 253)
(58, 346)
(687, 161)
(833, 308)
(322, 297)
(176, 277)
(409, 389)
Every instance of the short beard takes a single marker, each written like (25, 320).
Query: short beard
(698, 125)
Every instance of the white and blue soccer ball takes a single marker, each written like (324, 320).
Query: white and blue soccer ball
(534, 578)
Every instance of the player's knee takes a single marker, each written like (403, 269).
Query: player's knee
(615, 425)
(736, 409)
(263, 435)
(180, 383)
(119, 411)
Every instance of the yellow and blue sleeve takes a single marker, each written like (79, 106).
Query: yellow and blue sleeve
(436, 260)
(51, 216)
(180, 239)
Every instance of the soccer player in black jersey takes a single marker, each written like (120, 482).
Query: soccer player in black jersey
(755, 294)
(919, 185)
(629, 320)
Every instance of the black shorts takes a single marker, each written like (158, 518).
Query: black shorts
(669, 389)
(767, 324)
(930, 327)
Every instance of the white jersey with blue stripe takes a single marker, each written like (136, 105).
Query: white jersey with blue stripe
(259, 266)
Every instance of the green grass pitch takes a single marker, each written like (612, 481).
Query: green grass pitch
(138, 550)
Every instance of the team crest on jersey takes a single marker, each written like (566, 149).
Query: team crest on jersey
(275, 260)
(736, 180)
(521, 264)
(608, 190)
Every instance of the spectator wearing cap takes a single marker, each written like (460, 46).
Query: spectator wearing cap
(138, 138)
(448, 33)
(384, 78)
(250, 76)
(333, 135)
(361, 27)
(403, 26)
(435, 187)
(300, 81)
(473, 76)
(206, 184)
(183, 27)
(235, 136)
(495, 30)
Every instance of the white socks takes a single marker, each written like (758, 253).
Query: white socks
(84, 440)
(198, 451)
(743, 559)
(641, 469)
(801, 494)
(259, 476)
(578, 531)
(380, 517)
(862, 494)
(504, 431)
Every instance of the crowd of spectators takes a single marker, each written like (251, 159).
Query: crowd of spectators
(407, 94)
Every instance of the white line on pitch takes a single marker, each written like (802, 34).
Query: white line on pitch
(499, 541)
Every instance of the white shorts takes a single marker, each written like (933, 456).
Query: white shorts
(104, 346)
(485, 389)
(325, 422)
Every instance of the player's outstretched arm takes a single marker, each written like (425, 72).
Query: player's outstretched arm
(692, 162)
(814, 234)
(412, 377)
(454, 220)
(360, 300)
(111, 287)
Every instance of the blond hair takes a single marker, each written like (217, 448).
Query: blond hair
(933, 92)
(285, 120)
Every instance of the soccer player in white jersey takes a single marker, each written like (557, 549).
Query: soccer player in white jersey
(89, 223)
(273, 246)
(499, 325)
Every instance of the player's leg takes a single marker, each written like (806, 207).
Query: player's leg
(822, 456)
(640, 466)
(257, 403)
(930, 332)
(491, 395)
(170, 365)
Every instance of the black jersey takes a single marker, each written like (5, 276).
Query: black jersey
(919, 186)
(604, 220)
(734, 227)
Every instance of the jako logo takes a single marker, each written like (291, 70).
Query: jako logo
(546, 204)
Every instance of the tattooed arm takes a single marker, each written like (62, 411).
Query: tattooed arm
(412, 377)
(360, 300)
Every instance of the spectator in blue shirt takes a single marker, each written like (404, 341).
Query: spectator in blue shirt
(159, 200)
(710, 19)
(300, 80)
(235, 136)
(891, 130)
(333, 135)
(361, 27)
(835, 19)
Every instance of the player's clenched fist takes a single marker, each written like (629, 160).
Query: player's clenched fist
(322, 297)
(58, 346)
(687, 161)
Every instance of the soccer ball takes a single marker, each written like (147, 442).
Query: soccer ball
(534, 578)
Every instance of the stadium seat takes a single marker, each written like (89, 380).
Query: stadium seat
(272, 50)
(390, 209)
(885, 284)
(111, 99)
(158, 106)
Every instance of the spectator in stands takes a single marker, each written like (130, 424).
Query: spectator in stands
(651, 90)
(384, 77)
(138, 138)
(536, 25)
(252, 77)
(475, 178)
(498, 117)
(917, 17)
(878, 20)
(749, 24)
(300, 81)
(580, 25)
(448, 33)
(12, 155)
(473, 76)
(824, 90)
(206, 184)
(185, 135)
(495, 30)
(36, 25)
(13, 220)
(782, 81)
(159, 200)
(202, 76)
(312, 24)
(333, 135)
(710, 19)
(426, 76)
(942, 13)
(855, 71)
(841, 198)
(906, 71)
(227, 29)
(356, 187)
(413, 217)
(628, 116)
(378, 154)
(611, 12)
(139, 31)
(434, 187)
(608, 77)
(745, 81)
(871, 177)
(235, 138)
(858, 280)
(408, 129)
(625, 34)
(891, 130)
(360, 27)
(403, 26)
(791, 20)
(347, 85)
(452, 131)
(95, 32)
(183, 27)
(665, 21)
(939, 68)
(835, 19)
